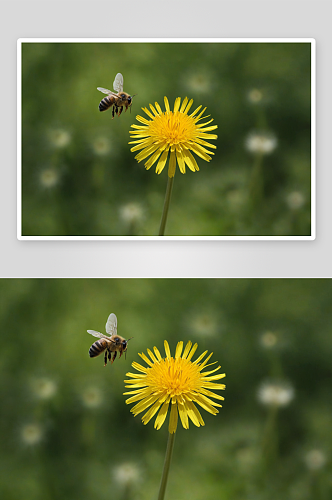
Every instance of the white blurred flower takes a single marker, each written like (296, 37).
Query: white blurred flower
(49, 177)
(269, 340)
(295, 200)
(255, 96)
(59, 137)
(101, 146)
(203, 324)
(131, 212)
(199, 82)
(127, 473)
(275, 393)
(92, 397)
(43, 388)
(315, 459)
(261, 142)
(31, 434)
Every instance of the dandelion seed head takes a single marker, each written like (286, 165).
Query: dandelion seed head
(176, 383)
(49, 177)
(255, 96)
(43, 387)
(204, 324)
(199, 82)
(92, 397)
(261, 142)
(173, 135)
(127, 473)
(59, 137)
(269, 340)
(315, 459)
(295, 200)
(101, 146)
(131, 212)
(275, 393)
(31, 434)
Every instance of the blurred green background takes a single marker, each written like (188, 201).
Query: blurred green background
(66, 431)
(80, 178)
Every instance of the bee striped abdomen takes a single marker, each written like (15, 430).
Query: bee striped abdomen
(106, 103)
(97, 348)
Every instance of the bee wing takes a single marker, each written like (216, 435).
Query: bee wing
(118, 83)
(97, 334)
(104, 91)
(111, 324)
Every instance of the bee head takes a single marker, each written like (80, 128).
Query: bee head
(125, 342)
(130, 98)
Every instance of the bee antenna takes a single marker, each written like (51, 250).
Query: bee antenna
(130, 339)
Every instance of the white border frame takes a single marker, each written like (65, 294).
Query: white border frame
(312, 41)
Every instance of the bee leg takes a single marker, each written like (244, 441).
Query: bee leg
(116, 110)
(114, 356)
(121, 109)
(105, 358)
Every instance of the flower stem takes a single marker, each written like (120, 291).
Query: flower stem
(167, 463)
(256, 186)
(166, 205)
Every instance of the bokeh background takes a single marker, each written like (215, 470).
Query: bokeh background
(80, 178)
(66, 431)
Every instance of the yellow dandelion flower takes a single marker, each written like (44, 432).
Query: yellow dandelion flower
(177, 383)
(175, 132)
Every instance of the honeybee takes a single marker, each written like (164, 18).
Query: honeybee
(110, 344)
(117, 100)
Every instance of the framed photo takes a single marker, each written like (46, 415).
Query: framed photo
(171, 138)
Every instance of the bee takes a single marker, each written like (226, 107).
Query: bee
(118, 99)
(110, 344)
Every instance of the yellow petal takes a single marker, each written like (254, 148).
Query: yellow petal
(162, 162)
(194, 414)
(183, 416)
(178, 350)
(187, 349)
(161, 415)
(157, 353)
(150, 353)
(148, 113)
(154, 110)
(158, 108)
(172, 165)
(177, 104)
(153, 159)
(181, 162)
(166, 104)
(139, 367)
(190, 161)
(167, 350)
(142, 120)
(192, 352)
(152, 411)
(146, 359)
(173, 419)
(183, 105)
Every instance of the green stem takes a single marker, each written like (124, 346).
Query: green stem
(167, 463)
(270, 437)
(256, 186)
(166, 205)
